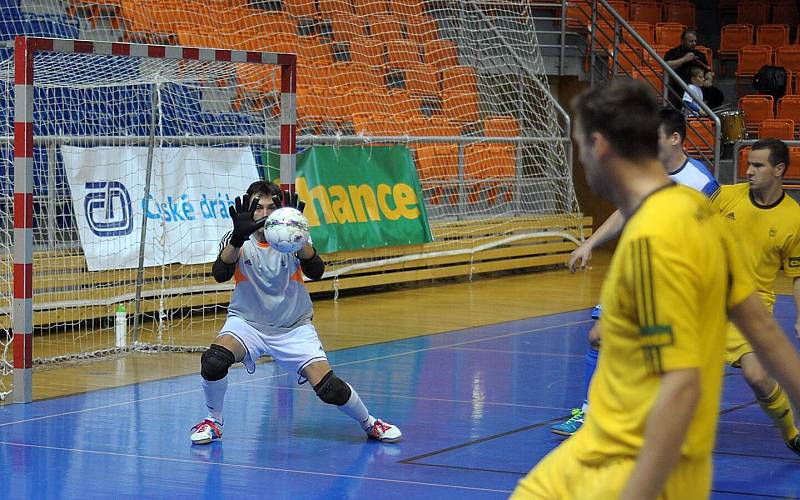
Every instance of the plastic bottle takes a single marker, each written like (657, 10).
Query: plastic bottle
(121, 324)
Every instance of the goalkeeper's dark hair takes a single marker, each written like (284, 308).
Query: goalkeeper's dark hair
(264, 187)
(673, 122)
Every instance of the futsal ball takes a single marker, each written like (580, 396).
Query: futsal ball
(286, 230)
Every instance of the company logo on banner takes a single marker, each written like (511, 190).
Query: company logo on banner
(186, 210)
(361, 197)
(99, 204)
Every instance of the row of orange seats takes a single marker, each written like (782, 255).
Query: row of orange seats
(752, 57)
(735, 36)
(346, 77)
(758, 108)
(491, 168)
(579, 14)
(169, 17)
(397, 108)
(758, 13)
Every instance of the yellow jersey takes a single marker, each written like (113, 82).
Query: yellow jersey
(769, 235)
(674, 274)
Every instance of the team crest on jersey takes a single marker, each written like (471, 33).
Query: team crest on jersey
(730, 216)
(772, 232)
(248, 262)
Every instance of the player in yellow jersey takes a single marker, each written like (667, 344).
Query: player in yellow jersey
(766, 223)
(676, 271)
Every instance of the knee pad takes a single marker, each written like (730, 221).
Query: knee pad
(215, 362)
(333, 390)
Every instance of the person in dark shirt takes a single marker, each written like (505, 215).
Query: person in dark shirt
(682, 59)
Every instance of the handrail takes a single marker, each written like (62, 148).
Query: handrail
(620, 21)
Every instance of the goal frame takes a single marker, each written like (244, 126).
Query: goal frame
(25, 48)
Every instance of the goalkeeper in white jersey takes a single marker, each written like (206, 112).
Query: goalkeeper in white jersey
(270, 314)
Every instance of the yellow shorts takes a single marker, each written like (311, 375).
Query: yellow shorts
(561, 476)
(736, 345)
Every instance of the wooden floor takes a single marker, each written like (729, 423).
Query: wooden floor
(368, 318)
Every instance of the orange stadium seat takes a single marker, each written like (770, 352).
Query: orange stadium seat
(752, 58)
(301, 8)
(460, 107)
(440, 54)
(644, 30)
(669, 34)
(365, 8)
(436, 165)
(648, 12)
(345, 29)
(741, 169)
(755, 13)
(789, 108)
(460, 79)
(493, 166)
(785, 11)
(624, 60)
(407, 8)
(367, 51)
(681, 13)
(622, 8)
(793, 173)
(774, 35)
(335, 8)
(699, 136)
(501, 126)
(788, 56)
(654, 77)
(732, 38)
(386, 28)
(756, 108)
(778, 128)
(402, 53)
(422, 29)
(421, 80)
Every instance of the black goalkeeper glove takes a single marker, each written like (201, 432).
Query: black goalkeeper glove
(242, 212)
(289, 200)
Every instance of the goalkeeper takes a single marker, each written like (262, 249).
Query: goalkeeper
(270, 314)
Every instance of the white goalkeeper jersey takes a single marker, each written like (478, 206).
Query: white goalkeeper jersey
(269, 293)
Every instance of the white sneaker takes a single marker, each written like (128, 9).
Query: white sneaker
(210, 429)
(384, 431)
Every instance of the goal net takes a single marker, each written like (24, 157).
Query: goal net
(118, 130)
(463, 87)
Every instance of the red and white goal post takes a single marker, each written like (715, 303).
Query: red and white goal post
(60, 58)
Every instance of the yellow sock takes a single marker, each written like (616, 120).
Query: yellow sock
(777, 407)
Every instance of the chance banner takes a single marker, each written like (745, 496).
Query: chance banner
(187, 209)
(361, 197)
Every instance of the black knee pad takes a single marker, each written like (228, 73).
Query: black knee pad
(333, 390)
(215, 362)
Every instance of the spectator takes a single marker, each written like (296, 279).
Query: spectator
(682, 59)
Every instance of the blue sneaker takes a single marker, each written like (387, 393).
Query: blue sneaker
(596, 312)
(569, 426)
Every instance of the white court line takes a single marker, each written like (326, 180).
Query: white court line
(252, 467)
(527, 353)
(251, 380)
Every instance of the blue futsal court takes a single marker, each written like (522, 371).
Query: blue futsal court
(474, 406)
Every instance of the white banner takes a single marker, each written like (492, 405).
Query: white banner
(187, 210)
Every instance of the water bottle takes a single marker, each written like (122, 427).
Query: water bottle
(121, 323)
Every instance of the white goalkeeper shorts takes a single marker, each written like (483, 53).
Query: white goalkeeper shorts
(293, 351)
